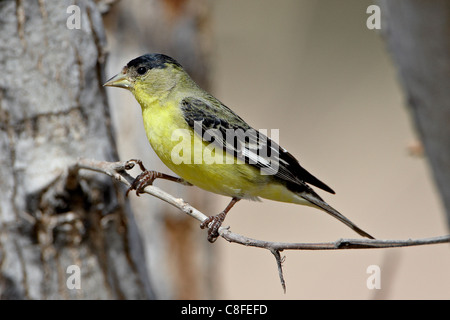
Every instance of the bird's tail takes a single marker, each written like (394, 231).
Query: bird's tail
(317, 201)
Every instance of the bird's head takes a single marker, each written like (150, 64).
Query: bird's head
(151, 74)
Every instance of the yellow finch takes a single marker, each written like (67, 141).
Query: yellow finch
(210, 146)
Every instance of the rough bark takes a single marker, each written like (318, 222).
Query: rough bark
(53, 109)
(417, 33)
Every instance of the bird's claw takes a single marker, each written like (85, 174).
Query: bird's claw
(143, 180)
(213, 223)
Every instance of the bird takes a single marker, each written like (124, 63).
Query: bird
(208, 145)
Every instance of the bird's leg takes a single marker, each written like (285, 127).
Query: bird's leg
(216, 221)
(146, 178)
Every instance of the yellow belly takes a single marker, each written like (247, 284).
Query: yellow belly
(196, 161)
(199, 163)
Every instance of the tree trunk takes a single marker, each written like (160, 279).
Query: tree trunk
(417, 33)
(60, 236)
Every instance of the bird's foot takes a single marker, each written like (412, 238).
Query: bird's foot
(143, 180)
(146, 177)
(213, 223)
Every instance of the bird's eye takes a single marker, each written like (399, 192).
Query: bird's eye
(142, 70)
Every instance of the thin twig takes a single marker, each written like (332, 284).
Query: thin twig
(117, 170)
(336, 245)
(280, 261)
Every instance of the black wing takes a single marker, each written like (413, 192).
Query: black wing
(211, 119)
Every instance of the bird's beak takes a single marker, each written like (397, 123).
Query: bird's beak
(120, 81)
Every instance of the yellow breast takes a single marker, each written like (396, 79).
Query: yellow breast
(198, 162)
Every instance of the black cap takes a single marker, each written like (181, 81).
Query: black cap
(153, 60)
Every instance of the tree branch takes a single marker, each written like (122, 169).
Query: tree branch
(117, 170)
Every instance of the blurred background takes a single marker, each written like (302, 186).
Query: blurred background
(308, 68)
(313, 70)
